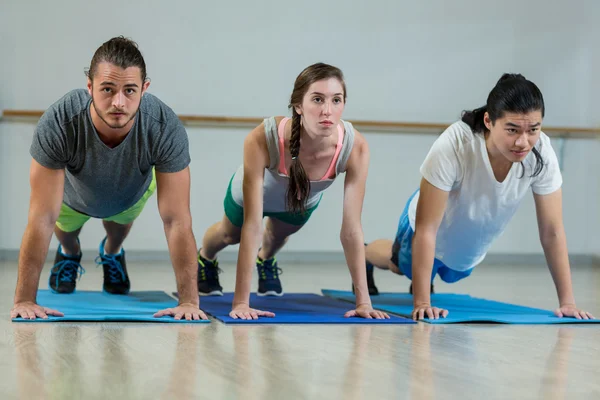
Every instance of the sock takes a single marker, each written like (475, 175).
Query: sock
(69, 255)
(206, 259)
(118, 253)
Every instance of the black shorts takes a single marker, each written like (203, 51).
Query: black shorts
(395, 250)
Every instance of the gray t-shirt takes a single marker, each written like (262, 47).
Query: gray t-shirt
(100, 181)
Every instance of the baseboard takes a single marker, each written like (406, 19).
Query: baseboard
(321, 257)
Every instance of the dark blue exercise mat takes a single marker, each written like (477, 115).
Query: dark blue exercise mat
(292, 308)
(462, 308)
(88, 306)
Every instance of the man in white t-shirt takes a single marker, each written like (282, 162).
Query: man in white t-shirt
(474, 178)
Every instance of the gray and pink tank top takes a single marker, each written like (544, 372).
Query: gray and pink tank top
(276, 178)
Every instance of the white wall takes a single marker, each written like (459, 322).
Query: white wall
(403, 61)
(594, 101)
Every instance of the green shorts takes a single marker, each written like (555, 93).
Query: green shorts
(235, 213)
(70, 220)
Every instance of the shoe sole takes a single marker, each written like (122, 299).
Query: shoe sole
(269, 293)
(57, 292)
(213, 293)
(116, 294)
(371, 292)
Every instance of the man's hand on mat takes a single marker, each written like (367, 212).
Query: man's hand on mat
(366, 311)
(426, 311)
(30, 310)
(185, 310)
(243, 311)
(570, 310)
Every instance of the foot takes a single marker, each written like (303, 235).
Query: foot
(63, 275)
(208, 277)
(268, 277)
(116, 280)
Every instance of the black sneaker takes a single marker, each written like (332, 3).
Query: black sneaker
(373, 291)
(116, 280)
(63, 275)
(411, 292)
(268, 277)
(208, 277)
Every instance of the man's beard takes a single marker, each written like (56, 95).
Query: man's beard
(112, 126)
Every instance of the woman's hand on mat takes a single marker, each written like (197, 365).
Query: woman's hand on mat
(426, 311)
(366, 311)
(188, 311)
(243, 311)
(30, 310)
(570, 310)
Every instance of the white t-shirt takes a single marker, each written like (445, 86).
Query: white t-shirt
(479, 207)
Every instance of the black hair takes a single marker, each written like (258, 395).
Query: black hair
(515, 94)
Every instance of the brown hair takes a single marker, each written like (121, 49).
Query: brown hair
(120, 51)
(299, 184)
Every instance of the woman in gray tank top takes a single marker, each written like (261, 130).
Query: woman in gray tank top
(288, 163)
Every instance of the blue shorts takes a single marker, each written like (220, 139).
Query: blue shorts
(402, 252)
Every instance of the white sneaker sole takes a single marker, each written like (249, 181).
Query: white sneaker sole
(213, 293)
(269, 293)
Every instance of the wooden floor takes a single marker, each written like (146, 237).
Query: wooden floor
(164, 361)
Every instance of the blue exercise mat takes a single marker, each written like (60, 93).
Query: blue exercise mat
(99, 306)
(462, 308)
(293, 308)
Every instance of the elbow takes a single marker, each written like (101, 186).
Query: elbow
(253, 223)
(551, 236)
(426, 236)
(252, 228)
(349, 236)
(44, 221)
(177, 221)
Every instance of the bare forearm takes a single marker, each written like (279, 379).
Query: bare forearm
(557, 257)
(249, 243)
(32, 256)
(354, 251)
(423, 254)
(182, 248)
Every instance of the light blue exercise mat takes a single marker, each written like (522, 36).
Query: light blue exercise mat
(89, 306)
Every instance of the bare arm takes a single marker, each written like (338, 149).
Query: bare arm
(351, 234)
(256, 159)
(554, 242)
(430, 211)
(46, 197)
(174, 207)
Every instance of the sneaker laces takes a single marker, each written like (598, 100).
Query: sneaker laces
(66, 269)
(209, 271)
(116, 273)
(268, 269)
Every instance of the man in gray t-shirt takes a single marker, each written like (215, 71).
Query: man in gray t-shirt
(101, 153)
